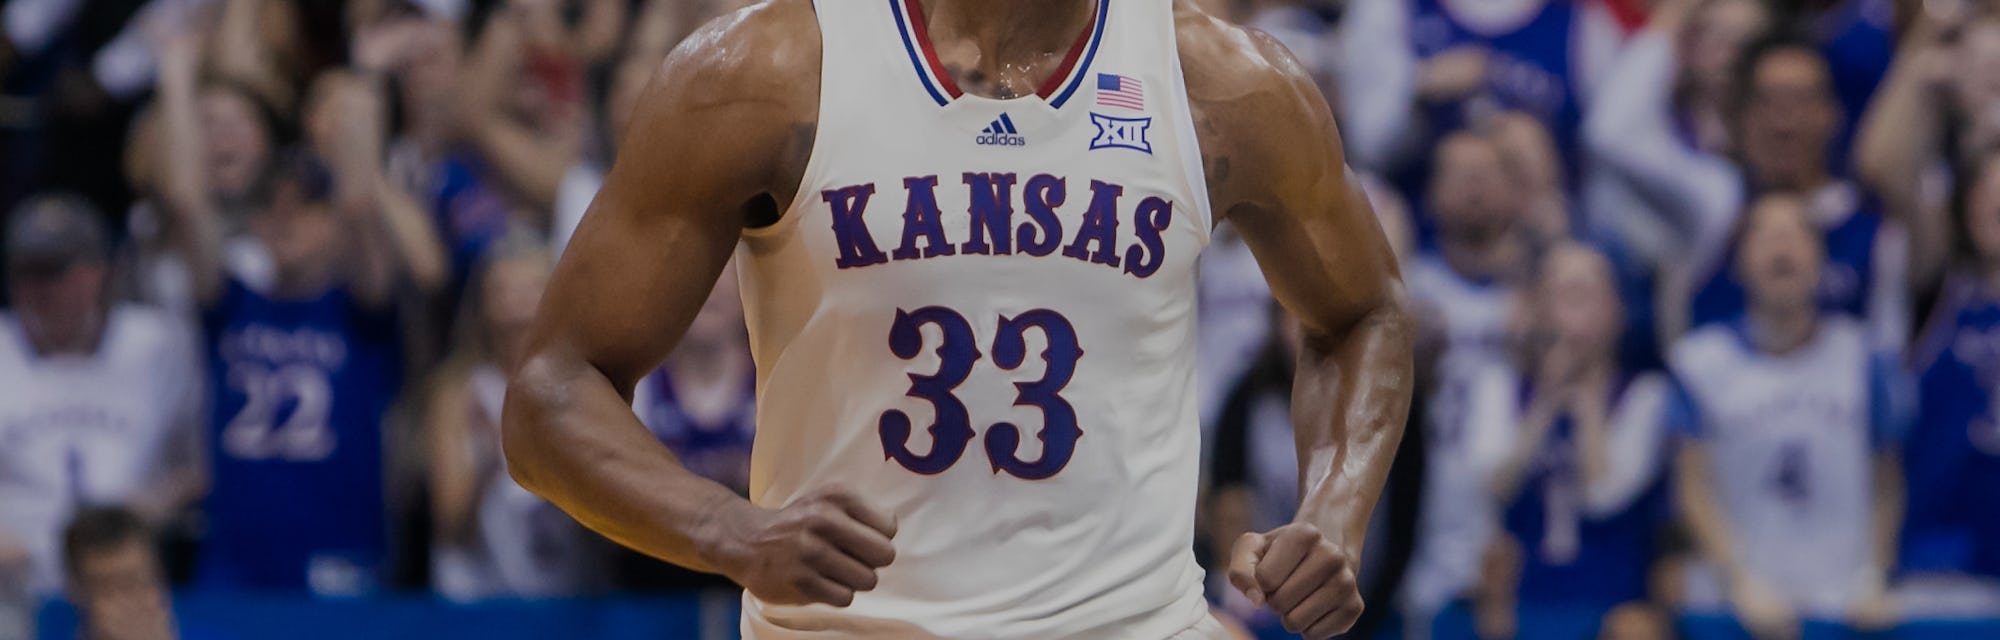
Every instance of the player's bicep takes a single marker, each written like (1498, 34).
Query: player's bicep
(1291, 195)
(1313, 231)
(700, 146)
(1324, 256)
(630, 281)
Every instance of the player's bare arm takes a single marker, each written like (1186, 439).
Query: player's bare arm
(1275, 170)
(718, 143)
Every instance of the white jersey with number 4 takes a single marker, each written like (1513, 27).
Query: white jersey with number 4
(978, 315)
(1791, 439)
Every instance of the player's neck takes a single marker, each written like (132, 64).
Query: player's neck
(1008, 36)
(1782, 329)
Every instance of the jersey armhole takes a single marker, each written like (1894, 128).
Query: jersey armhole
(1184, 129)
(788, 215)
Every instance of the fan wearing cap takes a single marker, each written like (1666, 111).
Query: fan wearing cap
(99, 402)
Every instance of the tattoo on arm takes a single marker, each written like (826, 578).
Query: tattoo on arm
(1218, 169)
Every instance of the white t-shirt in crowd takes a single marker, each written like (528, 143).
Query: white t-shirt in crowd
(93, 429)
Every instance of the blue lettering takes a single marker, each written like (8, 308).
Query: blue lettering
(992, 212)
(850, 232)
(1044, 193)
(923, 221)
(1153, 216)
(1100, 225)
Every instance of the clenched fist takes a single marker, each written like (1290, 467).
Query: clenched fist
(822, 548)
(1305, 578)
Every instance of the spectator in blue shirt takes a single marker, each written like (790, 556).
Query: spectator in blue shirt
(303, 370)
(1580, 479)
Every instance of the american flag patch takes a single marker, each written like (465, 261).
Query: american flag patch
(1114, 90)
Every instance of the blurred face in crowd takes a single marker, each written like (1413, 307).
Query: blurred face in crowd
(1715, 36)
(59, 307)
(301, 233)
(429, 79)
(238, 143)
(1532, 159)
(535, 100)
(120, 594)
(1578, 300)
(1471, 191)
(321, 116)
(1982, 211)
(512, 290)
(1789, 117)
(1780, 256)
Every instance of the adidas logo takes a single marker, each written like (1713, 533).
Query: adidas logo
(1002, 133)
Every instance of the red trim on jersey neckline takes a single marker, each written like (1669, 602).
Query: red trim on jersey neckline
(1063, 71)
(919, 31)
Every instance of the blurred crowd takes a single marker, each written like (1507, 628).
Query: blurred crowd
(1709, 293)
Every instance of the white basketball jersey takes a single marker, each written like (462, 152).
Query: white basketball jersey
(1789, 446)
(89, 430)
(979, 315)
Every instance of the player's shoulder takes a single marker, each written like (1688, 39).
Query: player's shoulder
(766, 50)
(1263, 124)
(1226, 63)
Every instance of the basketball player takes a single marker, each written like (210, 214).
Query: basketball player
(966, 235)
